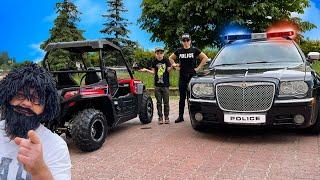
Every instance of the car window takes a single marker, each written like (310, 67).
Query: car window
(260, 51)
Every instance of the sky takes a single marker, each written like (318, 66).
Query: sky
(23, 30)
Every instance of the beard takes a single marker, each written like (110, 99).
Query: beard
(17, 124)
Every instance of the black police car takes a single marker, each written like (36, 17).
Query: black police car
(257, 79)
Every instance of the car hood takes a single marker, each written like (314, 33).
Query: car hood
(294, 71)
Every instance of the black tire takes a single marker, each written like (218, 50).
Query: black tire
(146, 111)
(315, 129)
(89, 130)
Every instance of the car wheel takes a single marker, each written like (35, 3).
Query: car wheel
(89, 130)
(146, 111)
(315, 129)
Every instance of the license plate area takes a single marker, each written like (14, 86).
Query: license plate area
(241, 118)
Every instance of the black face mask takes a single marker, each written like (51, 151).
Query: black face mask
(18, 124)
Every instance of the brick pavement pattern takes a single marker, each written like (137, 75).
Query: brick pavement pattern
(176, 151)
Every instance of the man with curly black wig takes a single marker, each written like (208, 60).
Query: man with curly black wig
(28, 150)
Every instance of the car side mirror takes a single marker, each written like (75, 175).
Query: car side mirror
(313, 56)
(209, 61)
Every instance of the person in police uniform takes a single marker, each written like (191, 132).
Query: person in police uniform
(187, 57)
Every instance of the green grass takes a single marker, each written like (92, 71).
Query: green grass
(77, 77)
(316, 66)
(148, 78)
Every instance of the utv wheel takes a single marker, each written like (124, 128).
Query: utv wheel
(146, 111)
(89, 129)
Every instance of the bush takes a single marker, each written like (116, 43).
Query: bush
(148, 78)
(143, 57)
(310, 46)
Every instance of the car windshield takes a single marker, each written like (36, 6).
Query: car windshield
(258, 52)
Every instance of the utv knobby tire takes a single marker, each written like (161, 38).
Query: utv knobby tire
(146, 110)
(89, 130)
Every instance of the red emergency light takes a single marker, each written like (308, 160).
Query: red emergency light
(257, 36)
(280, 34)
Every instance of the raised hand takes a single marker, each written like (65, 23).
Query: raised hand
(143, 70)
(31, 156)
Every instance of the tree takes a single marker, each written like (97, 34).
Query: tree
(4, 58)
(206, 20)
(303, 26)
(64, 29)
(310, 46)
(6, 61)
(116, 28)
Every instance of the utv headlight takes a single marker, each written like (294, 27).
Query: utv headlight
(293, 88)
(203, 90)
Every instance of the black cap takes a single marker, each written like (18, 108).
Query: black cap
(185, 36)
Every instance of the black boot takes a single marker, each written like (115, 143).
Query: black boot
(180, 119)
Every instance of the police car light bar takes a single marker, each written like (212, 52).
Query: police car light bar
(258, 35)
(280, 34)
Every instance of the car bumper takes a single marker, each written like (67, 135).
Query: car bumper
(281, 113)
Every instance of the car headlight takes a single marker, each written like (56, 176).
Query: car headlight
(203, 90)
(293, 88)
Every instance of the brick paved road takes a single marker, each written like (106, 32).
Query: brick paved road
(176, 151)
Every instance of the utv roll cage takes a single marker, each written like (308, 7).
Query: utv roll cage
(99, 45)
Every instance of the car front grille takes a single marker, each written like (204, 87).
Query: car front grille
(245, 96)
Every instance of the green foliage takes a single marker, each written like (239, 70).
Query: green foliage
(116, 25)
(143, 57)
(148, 79)
(116, 29)
(210, 52)
(316, 66)
(64, 30)
(310, 46)
(5, 61)
(206, 20)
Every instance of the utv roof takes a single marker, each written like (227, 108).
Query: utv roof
(83, 46)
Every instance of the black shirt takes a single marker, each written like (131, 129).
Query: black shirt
(161, 74)
(187, 59)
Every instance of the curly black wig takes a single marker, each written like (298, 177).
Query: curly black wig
(37, 78)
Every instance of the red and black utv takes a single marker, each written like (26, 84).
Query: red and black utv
(97, 91)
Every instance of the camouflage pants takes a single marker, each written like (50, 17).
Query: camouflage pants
(162, 95)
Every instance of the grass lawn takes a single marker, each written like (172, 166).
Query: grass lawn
(147, 78)
(316, 66)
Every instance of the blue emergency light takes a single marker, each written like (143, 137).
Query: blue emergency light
(256, 36)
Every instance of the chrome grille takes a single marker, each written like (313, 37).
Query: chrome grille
(245, 96)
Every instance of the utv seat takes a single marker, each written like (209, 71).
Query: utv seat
(91, 77)
(65, 80)
(112, 80)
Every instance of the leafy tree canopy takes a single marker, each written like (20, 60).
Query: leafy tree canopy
(64, 30)
(205, 20)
